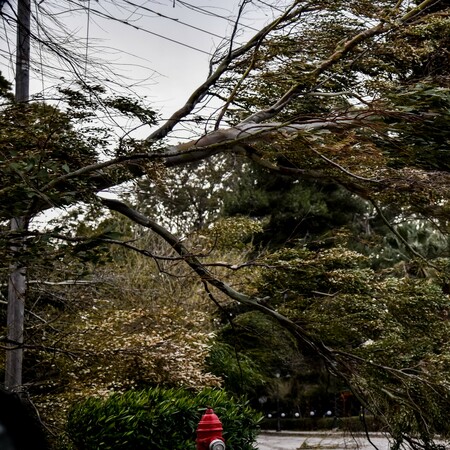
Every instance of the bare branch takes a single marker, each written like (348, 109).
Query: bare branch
(399, 236)
(298, 89)
(31, 313)
(202, 90)
(65, 282)
(209, 145)
(343, 169)
(206, 276)
(236, 88)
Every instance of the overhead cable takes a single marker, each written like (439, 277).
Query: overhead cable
(126, 22)
(210, 13)
(173, 19)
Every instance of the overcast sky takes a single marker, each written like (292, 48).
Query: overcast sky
(168, 44)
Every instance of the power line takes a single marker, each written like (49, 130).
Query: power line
(126, 22)
(210, 13)
(173, 40)
(271, 6)
(40, 50)
(174, 19)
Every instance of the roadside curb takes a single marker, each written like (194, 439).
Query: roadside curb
(327, 433)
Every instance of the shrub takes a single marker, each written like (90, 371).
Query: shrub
(158, 419)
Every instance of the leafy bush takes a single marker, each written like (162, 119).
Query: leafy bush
(158, 418)
(239, 372)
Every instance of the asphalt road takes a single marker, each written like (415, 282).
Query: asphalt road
(320, 441)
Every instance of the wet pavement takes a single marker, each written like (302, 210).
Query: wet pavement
(320, 441)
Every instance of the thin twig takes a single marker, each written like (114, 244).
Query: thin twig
(399, 236)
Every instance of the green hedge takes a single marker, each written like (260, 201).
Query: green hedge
(159, 419)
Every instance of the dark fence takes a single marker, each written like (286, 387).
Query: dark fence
(324, 423)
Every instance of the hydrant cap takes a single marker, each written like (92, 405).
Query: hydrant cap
(209, 422)
(217, 444)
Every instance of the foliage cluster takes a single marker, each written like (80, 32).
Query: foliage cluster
(381, 326)
(129, 322)
(159, 418)
(239, 372)
(42, 146)
(38, 145)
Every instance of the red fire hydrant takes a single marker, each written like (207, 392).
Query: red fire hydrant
(209, 432)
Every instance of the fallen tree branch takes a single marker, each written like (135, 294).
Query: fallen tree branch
(258, 304)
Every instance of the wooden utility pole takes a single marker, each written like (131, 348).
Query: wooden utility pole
(23, 51)
(17, 278)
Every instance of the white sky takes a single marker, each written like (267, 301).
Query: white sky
(172, 70)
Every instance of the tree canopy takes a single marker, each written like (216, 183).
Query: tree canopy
(342, 110)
